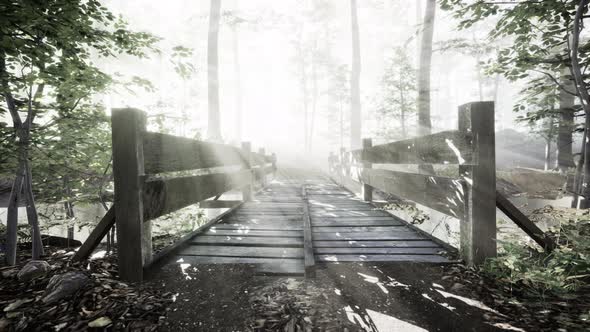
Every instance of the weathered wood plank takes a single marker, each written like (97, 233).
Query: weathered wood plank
(383, 258)
(185, 240)
(294, 242)
(225, 232)
(376, 244)
(367, 236)
(524, 223)
(362, 229)
(261, 227)
(379, 251)
(232, 251)
(447, 147)
(168, 153)
(97, 234)
(368, 213)
(340, 223)
(163, 196)
(445, 195)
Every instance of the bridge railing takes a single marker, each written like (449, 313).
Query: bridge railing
(156, 174)
(471, 197)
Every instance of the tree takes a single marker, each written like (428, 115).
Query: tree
(355, 90)
(545, 39)
(214, 119)
(39, 42)
(565, 159)
(398, 96)
(424, 123)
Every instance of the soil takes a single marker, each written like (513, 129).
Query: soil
(347, 297)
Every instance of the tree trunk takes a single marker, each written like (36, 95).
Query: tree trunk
(402, 105)
(584, 99)
(424, 122)
(33, 218)
(12, 217)
(565, 158)
(355, 93)
(213, 125)
(314, 100)
(238, 82)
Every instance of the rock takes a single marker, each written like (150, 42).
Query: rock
(33, 269)
(16, 304)
(63, 285)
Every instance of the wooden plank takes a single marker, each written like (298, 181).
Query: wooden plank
(225, 232)
(363, 229)
(134, 238)
(288, 242)
(265, 226)
(379, 251)
(443, 194)
(367, 236)
(168, 153)
(97, 234)
(522, 221)
(185, 240)
(376, 244)
(215, 204)
(163, 196)
(371, 213)
(232, 251)
(239, 218)
(383, 258)
(369, 222)
(447, 147)
(307, 238)
(270, 266)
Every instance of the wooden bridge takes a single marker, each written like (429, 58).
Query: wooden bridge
(302, 219)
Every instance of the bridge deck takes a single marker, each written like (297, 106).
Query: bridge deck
(268, 231)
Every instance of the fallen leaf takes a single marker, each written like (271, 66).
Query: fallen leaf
(100, 322)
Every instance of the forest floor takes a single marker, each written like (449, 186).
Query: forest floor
(342, 297)
(357, 297)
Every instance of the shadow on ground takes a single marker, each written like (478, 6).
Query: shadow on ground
(343, 297)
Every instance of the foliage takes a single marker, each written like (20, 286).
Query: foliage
(564, 270)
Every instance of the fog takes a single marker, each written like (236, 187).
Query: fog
(267, 85)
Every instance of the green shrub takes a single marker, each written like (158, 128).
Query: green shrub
(564, 270)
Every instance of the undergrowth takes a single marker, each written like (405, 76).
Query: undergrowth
(562, 271)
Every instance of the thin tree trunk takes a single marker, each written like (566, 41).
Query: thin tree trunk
(214, 121)
(37, 243)
(12, 217)
(314, 100)
(565, 158)
(402, 105)
(355, 93)
(584, 99)
(424, 122)
(238, 83)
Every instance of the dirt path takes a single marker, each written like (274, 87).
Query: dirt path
(353, 297)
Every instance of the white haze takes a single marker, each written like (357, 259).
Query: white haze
(272, 101)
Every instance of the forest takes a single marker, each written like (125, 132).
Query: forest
(294, 165)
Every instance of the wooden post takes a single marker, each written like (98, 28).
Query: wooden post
(262, 173)
(134, 238)
(478, 227)
(247, 190)
(342, 165)
(367, 191)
